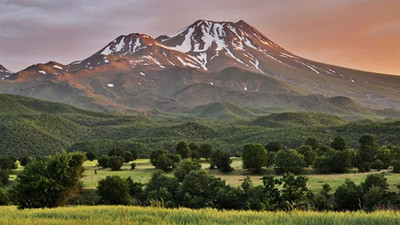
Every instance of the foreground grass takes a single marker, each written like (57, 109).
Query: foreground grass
(85, 215)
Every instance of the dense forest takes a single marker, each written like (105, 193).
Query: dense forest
(39, 128)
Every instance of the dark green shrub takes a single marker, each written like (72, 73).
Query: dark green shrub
(113, 190)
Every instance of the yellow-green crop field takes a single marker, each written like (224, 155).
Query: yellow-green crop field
(121, 215)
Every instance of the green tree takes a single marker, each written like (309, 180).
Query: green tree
(221, 160)
(274, 146)
(4, 176)
(103, 161)
(113, 190)
(288, 161)
(115, 163)
(215, 159)
(195, 189)
(162, 188)
(155, 154)
(313, 142)
(183, 150)
(348, 196)
(49, 182)
(395, 158)
(206, 150)
(254, 157)
(367, 152)
(8, 162)
(308, 153)
(4, 199)
(91, 155)
(135, 188)
(185, 167)
(294, 191)
(327, 161)
(164, 163)
(195, 150)
(225, 163)
(24, 160)
(339, 143)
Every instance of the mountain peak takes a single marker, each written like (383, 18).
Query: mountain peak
(127, 44)
(212, 44)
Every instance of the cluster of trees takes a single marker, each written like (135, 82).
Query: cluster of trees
(48, 182)
(371, 194)
(114, 159)
(163, 160)
(193, 187)
(335, 158)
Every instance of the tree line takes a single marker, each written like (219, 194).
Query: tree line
(51, 181)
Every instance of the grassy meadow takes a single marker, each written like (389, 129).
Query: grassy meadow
(104, 215)
(144, 169)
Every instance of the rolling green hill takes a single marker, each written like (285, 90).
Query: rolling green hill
(33, 127)
(298, 119)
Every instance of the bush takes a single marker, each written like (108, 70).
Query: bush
(288, 161)
(49, 182)
(133, 166)
(113, 190)
(254, 157)
(115, 163)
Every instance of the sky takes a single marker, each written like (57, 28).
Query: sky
(360, 34)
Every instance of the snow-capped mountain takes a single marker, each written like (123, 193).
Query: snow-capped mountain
(136, 50)
(217, 44)
(203, 63)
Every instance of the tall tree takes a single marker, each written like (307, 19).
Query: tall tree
(49, 182)
(255, 157)
(183, 150)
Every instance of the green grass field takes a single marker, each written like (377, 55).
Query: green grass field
(104, 215)
(144, 169)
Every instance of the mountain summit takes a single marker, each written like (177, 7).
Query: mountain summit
(215, 45)
(204, 63)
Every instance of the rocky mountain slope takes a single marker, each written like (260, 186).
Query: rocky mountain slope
(205, 63)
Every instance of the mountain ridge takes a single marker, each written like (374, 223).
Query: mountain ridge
(193, 67)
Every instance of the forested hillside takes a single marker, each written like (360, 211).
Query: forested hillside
(33, 127)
